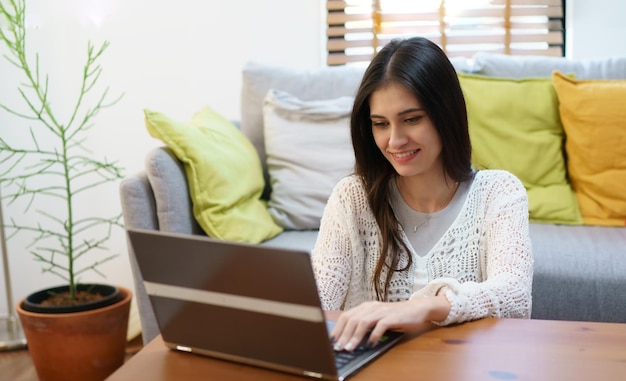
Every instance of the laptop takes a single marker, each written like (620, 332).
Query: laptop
(250, 304)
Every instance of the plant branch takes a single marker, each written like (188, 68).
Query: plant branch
(60, 168)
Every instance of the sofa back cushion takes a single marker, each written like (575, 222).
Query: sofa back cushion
(305, 84)
(502, 65)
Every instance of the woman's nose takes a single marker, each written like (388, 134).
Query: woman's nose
(397, 138)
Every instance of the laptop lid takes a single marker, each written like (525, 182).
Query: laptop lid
(252, 304)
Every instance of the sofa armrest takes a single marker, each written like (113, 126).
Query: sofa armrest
(168, 180)
(138, 204)
(139, 211)
(155, 199)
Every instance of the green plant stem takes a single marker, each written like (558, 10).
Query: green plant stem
(67, 170)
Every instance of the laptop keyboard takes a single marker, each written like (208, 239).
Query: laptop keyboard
(345, 361)
(342, 358)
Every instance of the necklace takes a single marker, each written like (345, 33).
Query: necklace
(429, 215)
(423, 222)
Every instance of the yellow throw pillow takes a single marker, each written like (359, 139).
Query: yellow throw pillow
(514, 125)
(223, 172)
(594, 118)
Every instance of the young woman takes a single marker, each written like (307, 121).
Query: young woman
(416, 236)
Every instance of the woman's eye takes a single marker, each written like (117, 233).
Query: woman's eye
(379, 124)
(413, 120)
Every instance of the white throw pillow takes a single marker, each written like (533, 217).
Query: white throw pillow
(308, 150)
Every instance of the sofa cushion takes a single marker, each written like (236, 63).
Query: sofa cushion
(594, 118)
(502, 65)
(294, 239)
(223, 174)
(306, 84)
(514, 125)
(308, 150)
(579, 272)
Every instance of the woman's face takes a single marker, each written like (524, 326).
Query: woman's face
(403, 131)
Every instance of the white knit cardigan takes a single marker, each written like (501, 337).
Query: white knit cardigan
(483, 262)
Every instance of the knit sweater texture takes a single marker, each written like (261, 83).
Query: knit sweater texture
(483, 263)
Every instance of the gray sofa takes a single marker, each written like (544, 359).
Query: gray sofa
(580, 271)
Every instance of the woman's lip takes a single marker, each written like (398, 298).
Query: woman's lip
(405, 156)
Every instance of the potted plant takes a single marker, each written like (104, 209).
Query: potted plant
(51, 173)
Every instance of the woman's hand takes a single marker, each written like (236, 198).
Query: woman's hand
(408, 316)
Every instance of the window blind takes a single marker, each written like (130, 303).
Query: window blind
(357, 29)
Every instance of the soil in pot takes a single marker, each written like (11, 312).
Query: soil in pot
(58, 300)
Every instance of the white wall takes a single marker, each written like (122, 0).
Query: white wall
(178, 56)
(595, 28)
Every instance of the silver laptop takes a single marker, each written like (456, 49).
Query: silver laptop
(250, 304)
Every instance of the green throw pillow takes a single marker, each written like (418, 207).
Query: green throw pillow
(514, 125)
(223, 172)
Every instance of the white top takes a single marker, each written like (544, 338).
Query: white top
(483, 262)
(423, 230)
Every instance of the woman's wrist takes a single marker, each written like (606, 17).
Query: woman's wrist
(440, 307)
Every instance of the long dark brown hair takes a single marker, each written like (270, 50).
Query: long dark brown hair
(422, 68)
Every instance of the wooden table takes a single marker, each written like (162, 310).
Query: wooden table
(487, 349)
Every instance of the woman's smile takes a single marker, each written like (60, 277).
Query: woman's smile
(405, 156)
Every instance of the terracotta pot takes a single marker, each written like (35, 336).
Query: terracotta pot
(77, 346)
